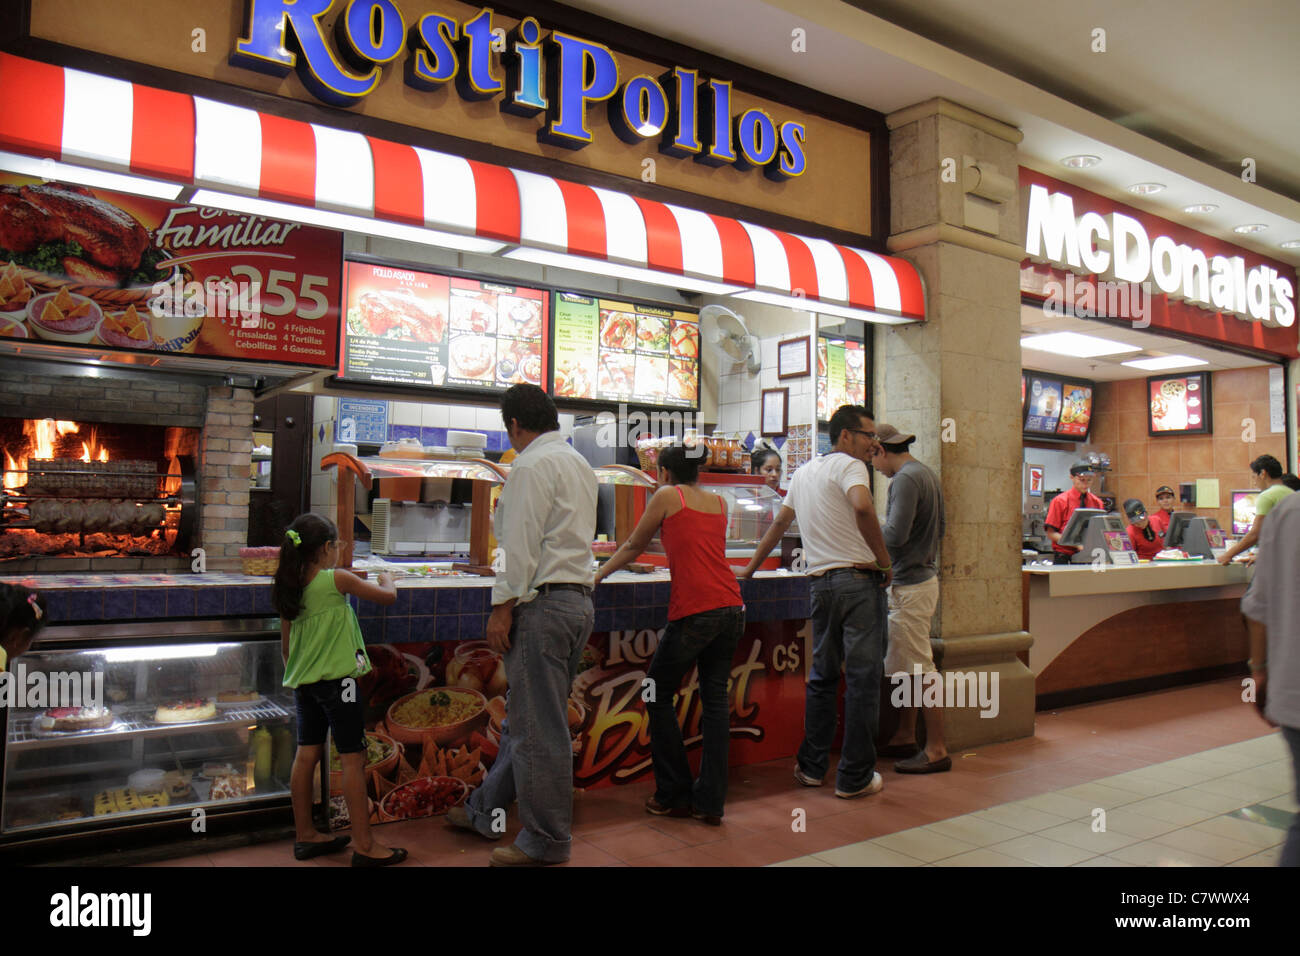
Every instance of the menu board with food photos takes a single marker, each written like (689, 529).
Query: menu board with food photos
(418, 328)
(1076, 410)
(1043, 400)
(614, 351)
(1179, 405)
(841, 375)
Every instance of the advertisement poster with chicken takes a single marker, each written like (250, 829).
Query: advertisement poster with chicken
(435, 713)
(1076, 410)
(91, 267)
(614, 351)
(418, 328)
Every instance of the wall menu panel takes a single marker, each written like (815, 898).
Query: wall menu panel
(609, 350)
(418, 328)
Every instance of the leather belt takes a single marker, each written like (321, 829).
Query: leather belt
(869, 571)
(548, 588)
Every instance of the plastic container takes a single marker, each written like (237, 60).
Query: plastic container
(148, 780)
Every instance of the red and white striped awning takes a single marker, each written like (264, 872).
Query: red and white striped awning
(86, 119)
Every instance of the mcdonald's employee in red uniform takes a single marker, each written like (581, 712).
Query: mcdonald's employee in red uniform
(1063, 505)
(1141, 530)
(1160, 518)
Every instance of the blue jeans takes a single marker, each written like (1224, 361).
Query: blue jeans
(535, 762)
(710, 638)
(1291, 849)
(850, 618)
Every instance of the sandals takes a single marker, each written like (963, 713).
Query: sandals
(397, 856)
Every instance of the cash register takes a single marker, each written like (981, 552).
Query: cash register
(1199, 536)
(1096, 534)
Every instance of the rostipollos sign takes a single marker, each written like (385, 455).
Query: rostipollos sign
(561, 76)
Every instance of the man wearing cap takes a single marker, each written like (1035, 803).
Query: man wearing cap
(1164, 513)
(1146, 542)
(1065, 504)
(914, 524)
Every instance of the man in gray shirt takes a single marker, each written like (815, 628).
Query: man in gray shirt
(1272, 610)
(913, 526)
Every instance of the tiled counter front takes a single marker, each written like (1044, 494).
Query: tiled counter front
(442, 610)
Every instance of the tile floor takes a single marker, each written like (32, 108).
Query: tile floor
(1185, 777)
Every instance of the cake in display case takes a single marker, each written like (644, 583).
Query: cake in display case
(144, 725)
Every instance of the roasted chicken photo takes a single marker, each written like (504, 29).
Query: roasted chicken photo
(52, 215)
(398, 314)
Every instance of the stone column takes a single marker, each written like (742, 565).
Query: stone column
(953, 381)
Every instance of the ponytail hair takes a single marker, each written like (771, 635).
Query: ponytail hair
(301, 547)
(21, 609)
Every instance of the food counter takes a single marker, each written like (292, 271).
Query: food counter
(1124, 630)
(186, 637)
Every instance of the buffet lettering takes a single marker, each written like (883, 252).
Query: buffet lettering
(561, 76)
(21, 689)
(1118, 248)
(620, 724)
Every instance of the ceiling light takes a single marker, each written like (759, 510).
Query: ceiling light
(1081, 161)
(1146, 189)
(343, 221)
(1248, 228)
(617, 270)
(1291, 244)
(800, 304)
(1075, 345)
(65, 173)
(1201, 208)
(1165, 362)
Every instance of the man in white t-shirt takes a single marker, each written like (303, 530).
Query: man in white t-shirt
(841, 538)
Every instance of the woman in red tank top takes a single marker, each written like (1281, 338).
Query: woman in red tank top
(705, 619)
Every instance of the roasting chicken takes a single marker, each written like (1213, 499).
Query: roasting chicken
(413, 319)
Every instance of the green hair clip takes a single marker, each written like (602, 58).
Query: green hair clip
(295, 537)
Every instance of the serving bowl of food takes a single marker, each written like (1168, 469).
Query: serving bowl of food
(423, 797)
(444, 715)
(382, 754)
(12, 325)
(64, 316)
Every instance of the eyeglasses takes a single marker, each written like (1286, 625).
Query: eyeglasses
(871, 435)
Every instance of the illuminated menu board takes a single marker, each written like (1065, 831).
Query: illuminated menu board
(1044, 405)
(1179, 405)
(615, 351)
(1076, 410)
(418, 328)
(841, 375)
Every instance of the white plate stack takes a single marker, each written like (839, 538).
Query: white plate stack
(467, 444)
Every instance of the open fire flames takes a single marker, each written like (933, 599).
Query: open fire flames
(67, 494)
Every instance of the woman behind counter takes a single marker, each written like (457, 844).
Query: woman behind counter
(705, 619)
(766, 463)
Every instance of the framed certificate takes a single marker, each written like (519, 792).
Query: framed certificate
(776, 403)
(794, 357)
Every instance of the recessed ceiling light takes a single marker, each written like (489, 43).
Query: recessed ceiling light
(1081, 161)
(1201, 208)
(1146, 189)
(1249, 228)
(1165, 362)
(1074, 345)
(1291, 244)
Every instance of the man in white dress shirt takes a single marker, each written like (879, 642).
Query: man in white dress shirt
(541, 620)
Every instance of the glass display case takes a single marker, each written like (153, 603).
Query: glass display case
(145, 721)
(752, 506)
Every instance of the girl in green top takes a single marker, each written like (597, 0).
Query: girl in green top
(324, 654)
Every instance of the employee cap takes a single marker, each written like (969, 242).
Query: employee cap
(1081, 468)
